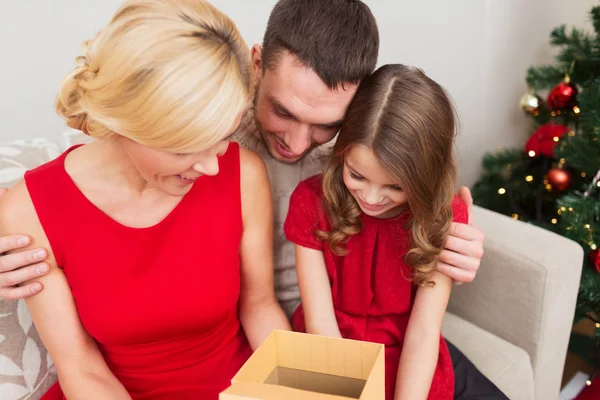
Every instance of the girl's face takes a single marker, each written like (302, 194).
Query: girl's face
(377, 194)
(173, 173)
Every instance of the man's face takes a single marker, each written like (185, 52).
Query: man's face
(295, 110)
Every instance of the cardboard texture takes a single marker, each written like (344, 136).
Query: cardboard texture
(299, 366)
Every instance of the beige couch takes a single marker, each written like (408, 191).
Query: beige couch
(513, 322)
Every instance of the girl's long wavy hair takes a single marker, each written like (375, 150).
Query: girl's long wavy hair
(409, 122)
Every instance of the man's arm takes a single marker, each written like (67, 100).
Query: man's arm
(18, 268)
(463, 250)
(82, 371)
(259, 310)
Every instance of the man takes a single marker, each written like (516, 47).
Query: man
(314, 55)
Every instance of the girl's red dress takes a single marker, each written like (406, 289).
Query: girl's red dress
(370, 286)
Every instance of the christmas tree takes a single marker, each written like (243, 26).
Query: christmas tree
(553, 181)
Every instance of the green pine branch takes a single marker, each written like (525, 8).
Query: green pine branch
(582, 151)
(588, 299)
(580, 154)
(589, 103)
(581, 220)
(595, 16)
(502, 161)
(577, 45)
(579, 55)
(545, 76)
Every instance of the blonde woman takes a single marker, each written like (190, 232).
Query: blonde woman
(160, 231)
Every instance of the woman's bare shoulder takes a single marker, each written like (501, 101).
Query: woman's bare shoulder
(253, 170)
(251, 163)
(255, 187)
(17, 213)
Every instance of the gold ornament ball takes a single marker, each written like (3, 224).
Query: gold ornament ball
(530, 103)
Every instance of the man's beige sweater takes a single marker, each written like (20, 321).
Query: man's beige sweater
(284, 178)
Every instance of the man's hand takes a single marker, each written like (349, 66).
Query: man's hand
(463, 250)
(21, 267)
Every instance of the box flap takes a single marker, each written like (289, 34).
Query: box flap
(260, 364)
(317, 382)
(255, 391)
(375, 387)
(334, 356)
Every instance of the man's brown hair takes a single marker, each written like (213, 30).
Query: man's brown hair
(338, 39)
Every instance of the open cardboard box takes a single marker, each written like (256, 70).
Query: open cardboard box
(299, 366)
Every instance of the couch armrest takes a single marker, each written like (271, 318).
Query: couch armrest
(525, 292)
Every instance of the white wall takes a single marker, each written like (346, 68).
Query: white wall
(478, 49)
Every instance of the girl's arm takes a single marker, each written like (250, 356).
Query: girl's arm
(422, 340)
(82, 371)
(315, 291)
(259, 310)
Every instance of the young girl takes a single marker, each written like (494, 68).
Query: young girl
(368, 232)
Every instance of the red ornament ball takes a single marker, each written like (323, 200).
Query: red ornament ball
(595, 259)
(559, 178)
(564, 95)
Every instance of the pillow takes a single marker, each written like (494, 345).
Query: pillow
(26, 371)
(72, 137)
(19, 156)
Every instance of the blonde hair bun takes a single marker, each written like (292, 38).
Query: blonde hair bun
(169, 74)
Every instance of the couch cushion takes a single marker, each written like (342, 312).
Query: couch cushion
(505, 364)
(19, 156)
(72, 137)
(26, 371)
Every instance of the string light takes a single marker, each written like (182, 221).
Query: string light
(515, 216)
(598, 183)
(562, 160)
(571, 209)
(529, 178)
(583, 174)
(597, 325)
(501, 191)
(587, 226)
(559, 211)
(548, 187)
(576, 110)
(555, 138)
(554, 221)
(553, 113)
(593, 246)
(572, 133)
(588, 382)
(563, 208)
(531, 153)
